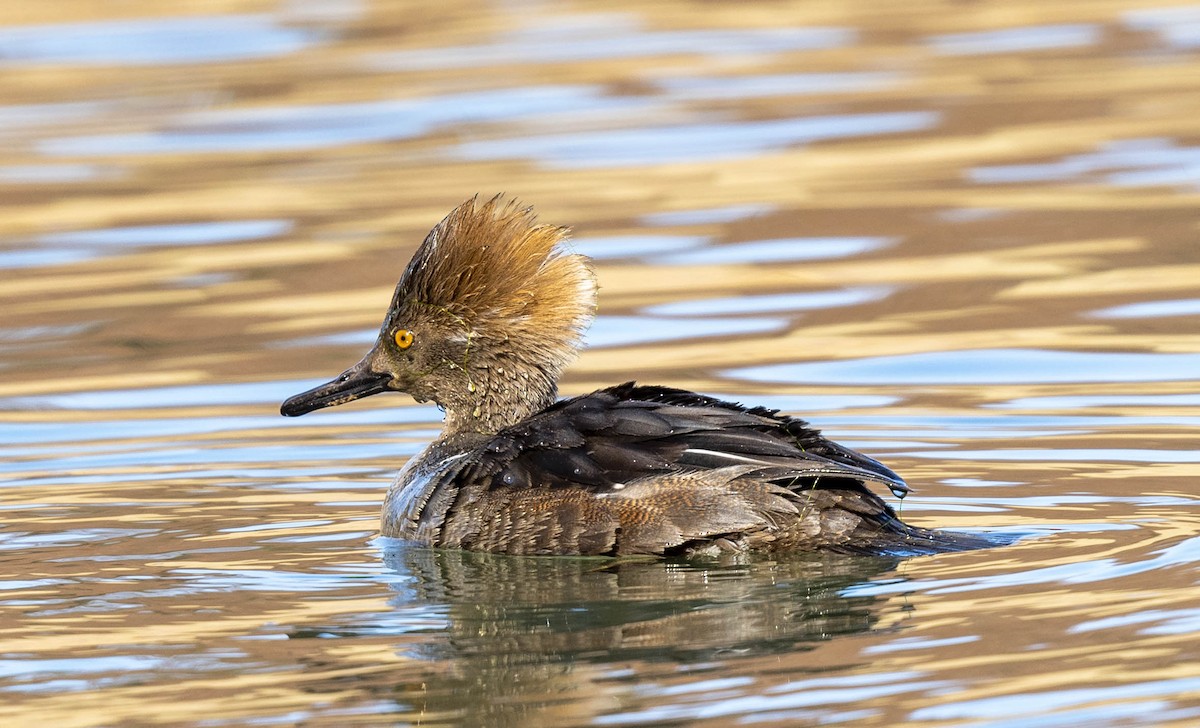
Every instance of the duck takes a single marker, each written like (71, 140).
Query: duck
(486, 316)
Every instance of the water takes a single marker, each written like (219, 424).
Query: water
(960, 239)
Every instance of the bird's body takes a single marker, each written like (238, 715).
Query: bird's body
(483, 320)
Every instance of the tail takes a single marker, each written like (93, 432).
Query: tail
(893, 537)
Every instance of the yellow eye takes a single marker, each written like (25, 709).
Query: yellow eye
(404, 338)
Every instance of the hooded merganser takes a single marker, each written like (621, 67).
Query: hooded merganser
(485, 317)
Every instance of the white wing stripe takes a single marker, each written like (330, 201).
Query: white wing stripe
(727, 456)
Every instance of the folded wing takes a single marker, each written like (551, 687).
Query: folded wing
(634, 469)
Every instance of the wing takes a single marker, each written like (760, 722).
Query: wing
(634, 469)
(610, 438)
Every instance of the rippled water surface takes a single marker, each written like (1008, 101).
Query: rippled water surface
(962, 237)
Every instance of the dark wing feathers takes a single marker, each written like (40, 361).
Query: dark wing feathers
(633, 469)
(620, 434)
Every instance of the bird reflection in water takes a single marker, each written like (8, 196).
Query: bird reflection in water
(548, 641)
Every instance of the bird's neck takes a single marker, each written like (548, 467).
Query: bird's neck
(495, 395)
